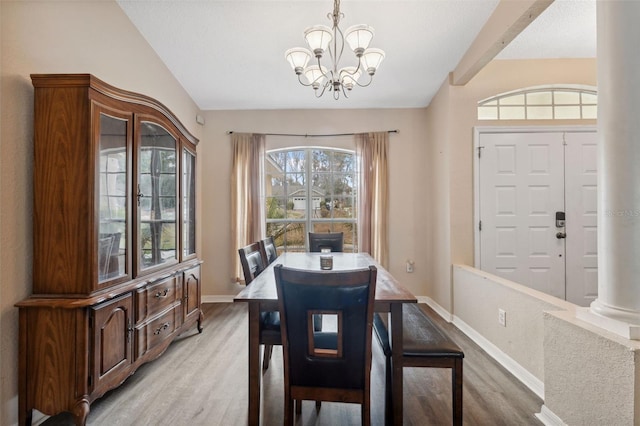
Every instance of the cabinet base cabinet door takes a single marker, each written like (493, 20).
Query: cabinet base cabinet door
(112, 347)
(192, 311)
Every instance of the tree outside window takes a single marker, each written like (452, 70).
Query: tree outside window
(310, 190)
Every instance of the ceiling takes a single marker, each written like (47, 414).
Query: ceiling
(229, 55)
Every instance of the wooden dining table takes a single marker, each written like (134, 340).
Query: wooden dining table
(261, 296)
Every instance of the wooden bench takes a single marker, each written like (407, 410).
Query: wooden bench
(425, 345)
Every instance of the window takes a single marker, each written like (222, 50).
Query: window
(310, 190)
(541, 103)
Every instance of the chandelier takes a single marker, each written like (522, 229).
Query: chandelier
(321, 39)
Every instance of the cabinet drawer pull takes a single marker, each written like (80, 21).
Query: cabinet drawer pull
(161, 328)
(162, 293)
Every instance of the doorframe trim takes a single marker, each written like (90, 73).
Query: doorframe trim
(479, 130)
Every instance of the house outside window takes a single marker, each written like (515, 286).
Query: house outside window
(310, 190)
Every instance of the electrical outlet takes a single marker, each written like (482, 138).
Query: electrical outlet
(502, 317)
(410, 266)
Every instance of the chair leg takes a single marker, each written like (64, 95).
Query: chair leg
(366, 411)
(288, 409)
(456, 387)
(318, 405)
(298, 404)
(268, 349)
(388, 400)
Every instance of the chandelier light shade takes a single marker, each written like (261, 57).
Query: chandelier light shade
(298, 57)
(371, 60)
(318, 38)
(315, 75)
(321, 39)
(359, 37)
(349, 76)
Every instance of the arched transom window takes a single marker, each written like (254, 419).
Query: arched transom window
(541, 103)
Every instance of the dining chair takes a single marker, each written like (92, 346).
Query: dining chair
(331, 240)
(268, 249)
(253, 263)
(269, 255)
(254, 260)
(326, 366)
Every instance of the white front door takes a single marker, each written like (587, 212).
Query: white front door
(524, 179)
(581, 198)
(519, 197)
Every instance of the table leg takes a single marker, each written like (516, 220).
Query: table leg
(396, 361)
(254, 363)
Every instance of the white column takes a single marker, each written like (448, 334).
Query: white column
(619, 162)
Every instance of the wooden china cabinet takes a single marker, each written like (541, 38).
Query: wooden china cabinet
(116, 276)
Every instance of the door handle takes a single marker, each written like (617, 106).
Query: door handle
(561, 235)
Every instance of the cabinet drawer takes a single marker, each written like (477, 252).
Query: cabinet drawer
(157, 330)
(157, 297)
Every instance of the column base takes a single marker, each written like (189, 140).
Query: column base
(616, 326)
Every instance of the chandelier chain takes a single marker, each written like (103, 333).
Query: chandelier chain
(337, 15)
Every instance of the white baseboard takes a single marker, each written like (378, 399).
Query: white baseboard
(520, 373)
(548, 417)
(217, 299)
(436, 307)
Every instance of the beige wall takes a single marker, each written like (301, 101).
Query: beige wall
(497, 77)
(407, 151)
(476, 297)
(518, 345)
(430, 159)
(56, 37)
(437, 191)
(451, 120)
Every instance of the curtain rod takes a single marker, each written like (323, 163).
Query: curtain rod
(230, 132)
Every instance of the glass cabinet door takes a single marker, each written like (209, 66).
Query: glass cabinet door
(112, 198)
(188, 203)
(157, 196)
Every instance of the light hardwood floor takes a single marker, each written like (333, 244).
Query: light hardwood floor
(202, 380)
